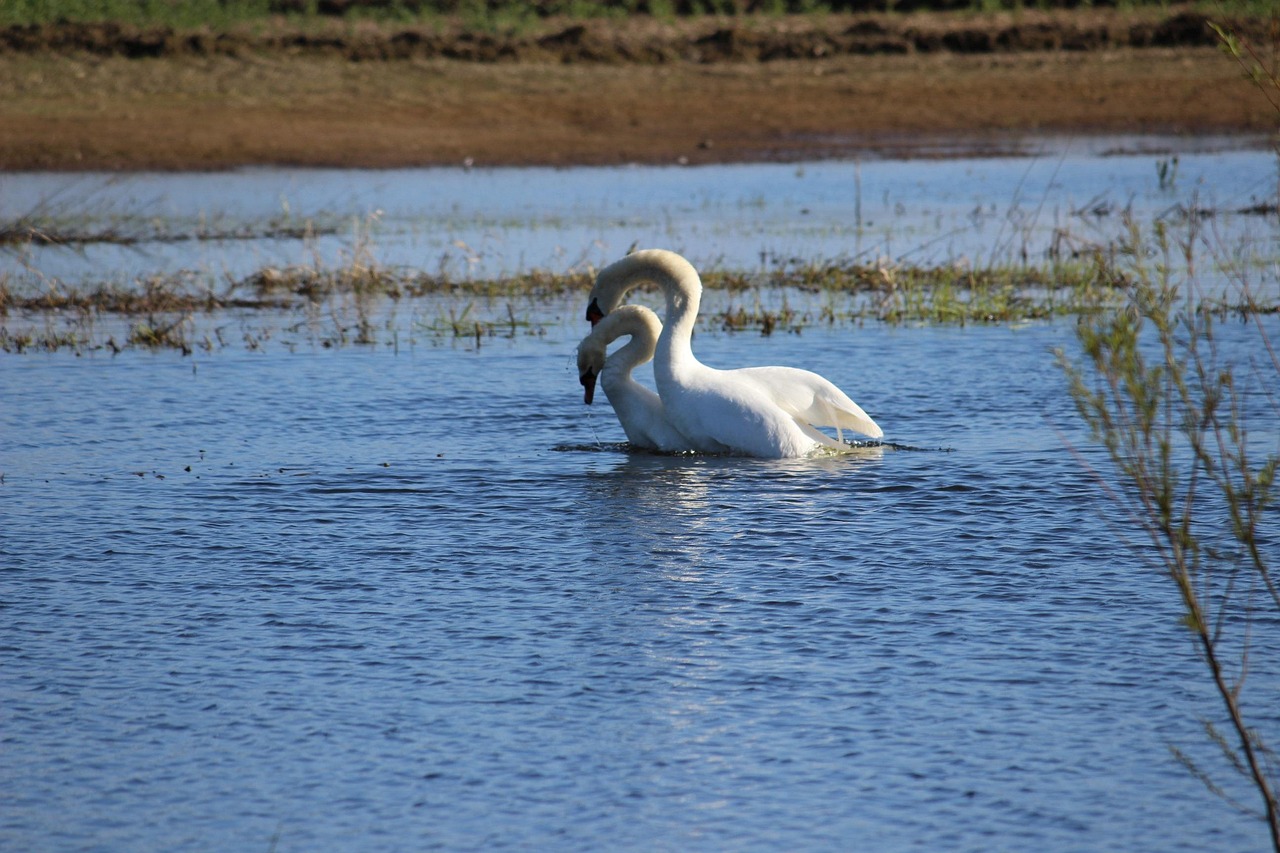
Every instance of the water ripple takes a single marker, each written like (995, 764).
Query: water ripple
(355, 622)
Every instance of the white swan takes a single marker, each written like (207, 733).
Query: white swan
(769, 412)
(638, 409)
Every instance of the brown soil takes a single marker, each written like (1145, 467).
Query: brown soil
(639, 91)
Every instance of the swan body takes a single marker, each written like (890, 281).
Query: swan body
(639, 410)
(770, 412)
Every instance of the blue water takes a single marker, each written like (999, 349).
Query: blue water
(381, 600)
(1064, 198)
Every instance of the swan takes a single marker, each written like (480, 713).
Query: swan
(638, 409)
(769, 412)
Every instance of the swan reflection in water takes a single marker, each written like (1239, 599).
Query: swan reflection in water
(679, 511)
(767, 412)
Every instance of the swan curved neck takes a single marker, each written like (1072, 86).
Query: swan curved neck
(675, 345)
(683, 301)
(667, 270)
(682, 288)
(626, 358)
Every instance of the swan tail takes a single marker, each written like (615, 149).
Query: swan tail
(836, 410)
(812, 399)
(821, 438)
(854, 419)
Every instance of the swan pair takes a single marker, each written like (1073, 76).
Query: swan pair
(768, 412)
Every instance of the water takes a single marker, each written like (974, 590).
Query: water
(1065, 198)
(361, 599)
(415, 596)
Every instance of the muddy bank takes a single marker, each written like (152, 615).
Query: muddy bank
(695, 91)
(643, 39)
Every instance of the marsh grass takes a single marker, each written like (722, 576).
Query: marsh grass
(77, 215)
(358, 300)
(154, 333)
(362, 302)
(40, 228)
(899, 293)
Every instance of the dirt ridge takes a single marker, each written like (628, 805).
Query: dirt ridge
(648, 41)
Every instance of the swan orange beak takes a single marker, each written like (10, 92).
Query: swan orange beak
(588, 381)
(594, 315)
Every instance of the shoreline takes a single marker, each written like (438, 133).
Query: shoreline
(956, 146)
(79, 109)
(69, 114)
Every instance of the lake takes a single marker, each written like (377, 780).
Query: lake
(421, 597)
(1067, 196)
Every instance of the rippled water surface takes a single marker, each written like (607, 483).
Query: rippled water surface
(358, 599)
(415, 595)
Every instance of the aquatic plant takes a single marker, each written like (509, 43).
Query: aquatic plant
(157, 334)
(357, 300)
(1173, 414)
(1167, 172)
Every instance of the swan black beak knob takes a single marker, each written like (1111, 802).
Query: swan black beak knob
(594, 314)
(588, 381)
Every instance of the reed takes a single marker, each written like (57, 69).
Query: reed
(1173, 413)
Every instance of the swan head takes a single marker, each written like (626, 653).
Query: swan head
(634, 321)
(658, 266)
(588, 380)
(612, 283)
(591, 355)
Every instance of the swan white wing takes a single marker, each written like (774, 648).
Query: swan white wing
(723, 413)
(811, 398)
